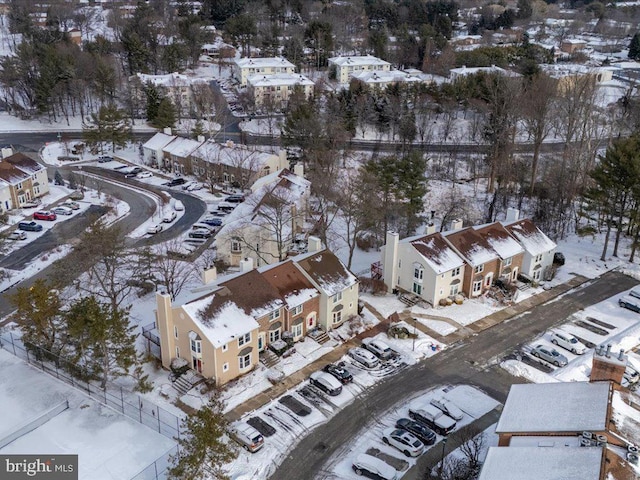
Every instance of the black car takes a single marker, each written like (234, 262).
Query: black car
(558, 258)
(175, 182)
(133, 172)
(423, 433)
(212, 221)
(339, 372)
(105, 159)
(234, 199)
(30, 226)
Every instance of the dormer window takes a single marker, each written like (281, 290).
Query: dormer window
(296, 310)
(274, 315)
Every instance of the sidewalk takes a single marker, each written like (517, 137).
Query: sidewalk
(297, 377)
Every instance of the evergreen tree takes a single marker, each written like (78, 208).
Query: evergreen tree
(110, 125)
(103, 338)
(203, 452)
(634, 47)
(197, 130)
(57, 178)
(153, 100)
(165, 116)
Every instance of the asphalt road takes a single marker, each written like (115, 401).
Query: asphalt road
(473, 362)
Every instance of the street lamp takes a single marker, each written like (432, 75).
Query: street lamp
(444, 444)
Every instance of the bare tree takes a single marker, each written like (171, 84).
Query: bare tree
(472, 444)
(353, 203)
(169, 270)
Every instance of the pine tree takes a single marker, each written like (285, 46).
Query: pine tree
(103, 338)
(197, 130)
(153, 100)
(203, 452)
(57, 178)
(634, 47)
(110, 124)
(166, 115)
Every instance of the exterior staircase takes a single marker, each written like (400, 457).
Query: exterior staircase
(409, 299)
(322, 337)
(269, 359)
(187, 381)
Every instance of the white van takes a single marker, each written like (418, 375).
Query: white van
(247, 436)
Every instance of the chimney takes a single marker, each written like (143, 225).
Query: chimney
(167, 130)
(209, 275)
(607, 367)
(229, 143)
(7, 152)
(513, 214)
(390, 260)
(164, 324)
(314, 244)
(246, 265)
(431, 228)
(201, 138)
(298, 169)
(456, 224)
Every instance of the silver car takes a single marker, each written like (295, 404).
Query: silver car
(364, 357)
(550, 355)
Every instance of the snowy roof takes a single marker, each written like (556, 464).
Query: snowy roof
(500, 240)
(233, 155)
(24, 163)
(555, 407)
(264, 62)
(386, 76)
(159, 141)
(12, 174)
(625, 418)
(229, 321)
(181, 147)
(437, 253)
(169, 80)
(474, 70)
(357, 61)
(290, 282)
(260, 80)
(326, 271)
(535, 463)
(534, 241)
(291, 178)
(559, 70)
(472, 246)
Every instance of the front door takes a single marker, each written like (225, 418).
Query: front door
(261, 342)
(197, 365)
(311, 321)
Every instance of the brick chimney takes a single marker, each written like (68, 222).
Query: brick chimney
(608, 366)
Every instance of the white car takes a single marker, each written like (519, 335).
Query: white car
(568, 342)
(17, 235)
(169, 217)
(178, 206)
(447, 407)
(404, 441)
(154, 229)
(62, 210)
(145, 174)
(195, 186)
(378, 348)
(72, 205)
(373, 467)
(364, 357)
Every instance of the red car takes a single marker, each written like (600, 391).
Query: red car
(44, 215)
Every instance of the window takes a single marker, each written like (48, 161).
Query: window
(453, 290)
(417, 289)
(538, 258)
(196, 346)
(477, 287)
(175, 331)
(399, 263)
(246, 338)
(297, 330)
(245, 361)
(479, 268)
(274, 335)
(337, 316)
(225, 367)
(418, 272)
(455, 272)
(225, 347)
(536, 275)
(236, 246)
(273, 315)
(507, 261)
(296, 310)
(177, 352)
(337, 297)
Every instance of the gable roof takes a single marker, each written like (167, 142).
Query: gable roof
(12, 174)
(234, 156)
(290, 282)
(24, 163)
(499, 239)
(437, 253)
(158, 141)
(531, 237)
(326, 271)
(181, 147)
(471, 245)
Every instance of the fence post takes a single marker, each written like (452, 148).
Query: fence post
(27, 352)
(105, 396)
(159, 427)
(140, 408)
(155, 467)
(12, 344)
(121, 400)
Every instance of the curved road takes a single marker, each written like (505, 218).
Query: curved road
(472, 362)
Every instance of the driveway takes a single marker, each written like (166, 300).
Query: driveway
(474, 361)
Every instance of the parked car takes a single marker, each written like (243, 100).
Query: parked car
(558, 258)
(634, 293)
(247, 436)
(364, 357)
(325, 382)
(448, 407)
(372, 467)
(630, 303)
(568, 342)
(144, 174)
(35, 203)
(178, 206)
(154, 229)
(378, 348)
(212, 221)
(120, 167)
(17, 235)
(175, 182)
(201, 233)
(77, 195)
(403, 441)
(195, 186)
(433, 418)
(61, 210)
(44, 215)
(30, 226)
(72, 205)
(170, 216)
(234, 199)
(133, 172)
(225, 208)
(105, 158)
(426, 435)
(550, 355)
(338, 371)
